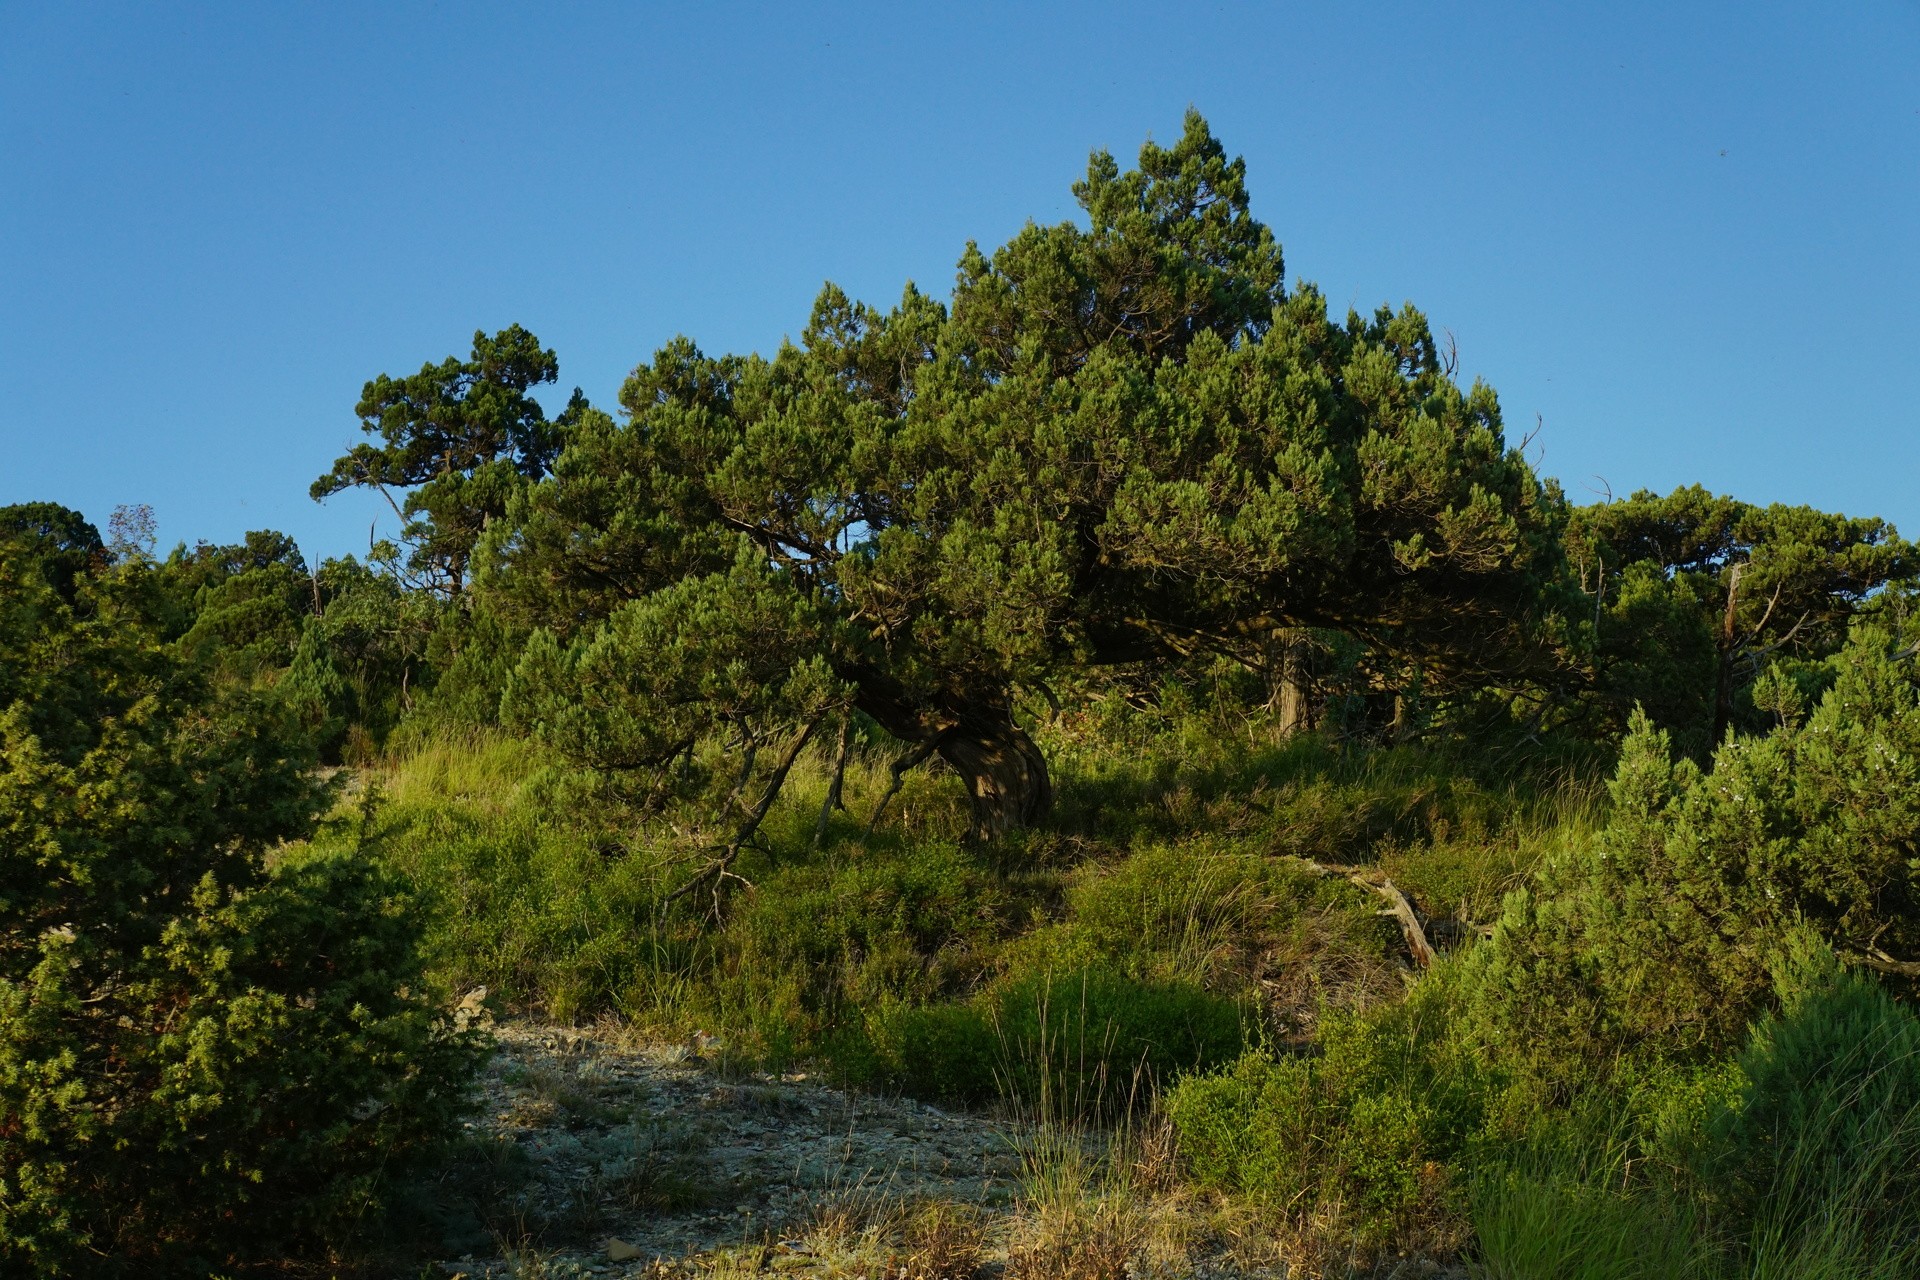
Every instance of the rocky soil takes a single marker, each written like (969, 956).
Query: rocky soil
(599, 1154)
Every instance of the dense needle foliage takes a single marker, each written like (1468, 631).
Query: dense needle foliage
(203, 1060)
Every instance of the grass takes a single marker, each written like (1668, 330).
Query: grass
(1080, 973)
(1157, 924)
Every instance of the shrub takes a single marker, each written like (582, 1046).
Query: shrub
(1659, 938)
(203, 1063)
(1827, 1133)
(1357, 1139)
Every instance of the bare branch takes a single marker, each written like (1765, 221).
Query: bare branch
(1874, 958)
(833, 801)
(901, 767)
(1398, 906)
(720, 869)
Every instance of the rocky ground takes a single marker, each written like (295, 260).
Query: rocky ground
(598, 1154)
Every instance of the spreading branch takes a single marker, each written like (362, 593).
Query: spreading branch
(720, 869)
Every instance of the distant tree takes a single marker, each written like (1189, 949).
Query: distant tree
(1738, 587)
(62, 542)
(460, 437)
(244, 603)
(131, 531)
(1124, 442)
(360, 660)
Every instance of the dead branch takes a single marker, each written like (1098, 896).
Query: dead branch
(720, 869)
(1539, 425)
(1376, 882)
(1874, 958)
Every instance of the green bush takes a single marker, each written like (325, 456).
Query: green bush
(1084, 1042)
(1360, 1137)
(203, 1063)
(1823, 1148)
(1294, 1136)
(1658, 938)
(1249, 1129)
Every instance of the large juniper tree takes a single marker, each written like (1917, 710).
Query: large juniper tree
(1123, 439)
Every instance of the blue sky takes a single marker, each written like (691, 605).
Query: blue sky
(1687, 236)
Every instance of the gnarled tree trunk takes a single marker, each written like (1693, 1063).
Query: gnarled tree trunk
(1290, 656)
(1006, 776)
(1007, 781)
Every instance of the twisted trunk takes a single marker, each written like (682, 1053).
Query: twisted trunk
(1007, 781)
(1008, 786)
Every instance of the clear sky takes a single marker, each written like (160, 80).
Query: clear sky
(1686, 235)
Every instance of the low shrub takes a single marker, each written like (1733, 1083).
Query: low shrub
(1087, 1041)
(1359, 1138)
(204, 1062)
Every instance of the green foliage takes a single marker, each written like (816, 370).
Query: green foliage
(1077, 1042)
(1696, 595)
(983, 497)
(737, 651)
(361, 660)
(1660, 938)
(1357, 1137)
(1656, 652)
(203, 1062)
(61, 541)
(244, 604)
(1828, 1130)
(462, 437)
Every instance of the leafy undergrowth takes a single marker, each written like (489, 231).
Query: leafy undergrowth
(1162, 924)
(1613, 1068)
